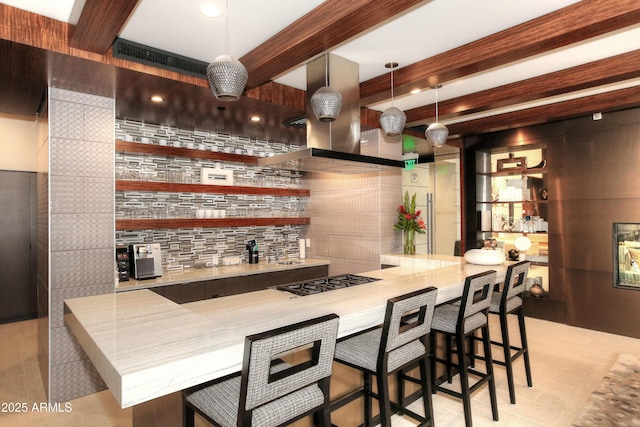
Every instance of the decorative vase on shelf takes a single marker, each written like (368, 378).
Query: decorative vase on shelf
(409, 242)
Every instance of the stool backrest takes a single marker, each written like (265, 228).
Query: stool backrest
(395, 333)
(514, 282)
(476, 296)
(260, 384)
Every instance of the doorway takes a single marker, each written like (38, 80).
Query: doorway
(437, 185)
(18, 299)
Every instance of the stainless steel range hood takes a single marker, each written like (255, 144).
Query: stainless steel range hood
(333, 147)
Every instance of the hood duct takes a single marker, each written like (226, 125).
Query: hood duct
(333, 147)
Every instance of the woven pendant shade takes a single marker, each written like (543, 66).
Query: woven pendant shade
(227, 78)
(326, 104)
(392, 121)
(437, 134)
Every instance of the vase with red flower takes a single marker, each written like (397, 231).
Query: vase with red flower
(410, 222)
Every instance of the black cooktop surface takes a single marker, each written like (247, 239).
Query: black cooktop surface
(309, 287)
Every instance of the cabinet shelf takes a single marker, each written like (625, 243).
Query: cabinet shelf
(139, 148)
(519, 233)
(171, 187)
(498, 202)
(145, 224)
(526, 172)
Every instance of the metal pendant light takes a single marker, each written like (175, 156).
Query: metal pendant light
(393, 119)
(326, 102)
(227, 76)
(437, 133)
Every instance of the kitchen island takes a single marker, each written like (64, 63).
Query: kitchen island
(145, 346)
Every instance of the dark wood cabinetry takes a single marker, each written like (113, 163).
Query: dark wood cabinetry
(184, 293)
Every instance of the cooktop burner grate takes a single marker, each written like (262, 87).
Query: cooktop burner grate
(309, 287)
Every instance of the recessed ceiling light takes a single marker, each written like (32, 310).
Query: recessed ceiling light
(255, 118)
(414, 91)
(211, 10)
(156, 98)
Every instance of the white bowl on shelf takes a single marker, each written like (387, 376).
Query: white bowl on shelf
(484, 257)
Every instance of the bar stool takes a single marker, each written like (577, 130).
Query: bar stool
(459, 322)
(270, 392)
(509, 301)
(385, 350)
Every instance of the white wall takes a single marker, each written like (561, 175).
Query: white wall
(18, 143)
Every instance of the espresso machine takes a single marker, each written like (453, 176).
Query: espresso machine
(146, 261)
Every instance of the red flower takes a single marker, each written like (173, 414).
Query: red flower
(401, 209)
(418, 213)
(407, 216)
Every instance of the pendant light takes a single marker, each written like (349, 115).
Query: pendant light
(227, 76)
(437, 133)
(326, 102)
(393, 119)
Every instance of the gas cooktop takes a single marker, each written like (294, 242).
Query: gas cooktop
(309, 287)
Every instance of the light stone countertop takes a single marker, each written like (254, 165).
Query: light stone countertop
(145, 346)
(190, 275)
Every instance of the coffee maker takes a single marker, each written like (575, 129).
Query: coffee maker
(146, 261)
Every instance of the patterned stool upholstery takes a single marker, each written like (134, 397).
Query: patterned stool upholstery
(270, 392)
(459, 321)
(383, 351)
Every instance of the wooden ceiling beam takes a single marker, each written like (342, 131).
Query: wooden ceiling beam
(604, 102)
(331, 23)
(100, 23)
(593, 74)
(572, 24)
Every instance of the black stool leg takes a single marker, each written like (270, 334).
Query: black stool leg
(188, 416)
(489, 366)
(508, 360)
(449, 351)
(464, 379)
(400, 380)
(432, 345)
(367, 400)
(383, 399)
(426, 385)
(525, 346)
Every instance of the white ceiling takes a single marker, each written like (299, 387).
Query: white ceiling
(435, 27)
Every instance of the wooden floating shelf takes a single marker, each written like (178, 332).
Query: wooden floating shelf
(171, 187)
(139, 148)
(152, 224)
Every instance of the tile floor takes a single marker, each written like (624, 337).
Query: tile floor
(568, 364)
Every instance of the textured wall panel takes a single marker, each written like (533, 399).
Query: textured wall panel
(67, 269)
(95, 120)
(81, 227)
(67, 195)
(353, 216)
(71, 123)
(70, 380)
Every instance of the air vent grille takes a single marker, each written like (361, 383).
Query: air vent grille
(298, 122)
(142, 54)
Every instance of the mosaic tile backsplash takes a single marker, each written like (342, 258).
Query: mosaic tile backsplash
(195, 247)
